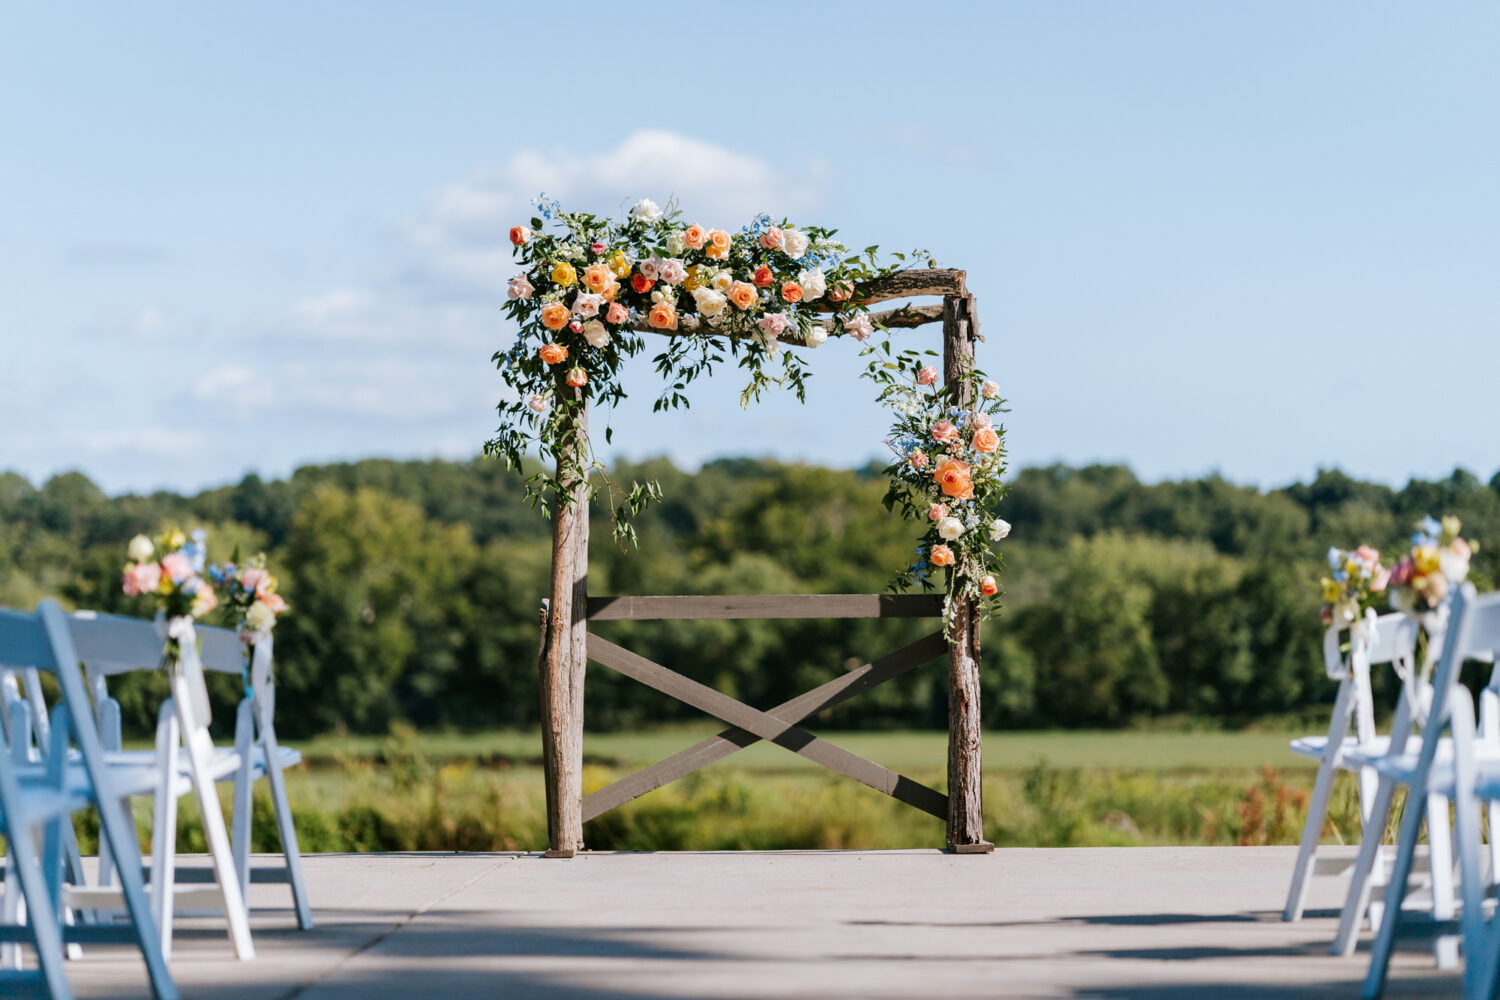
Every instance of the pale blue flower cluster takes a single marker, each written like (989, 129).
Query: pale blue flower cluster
(1429, 529)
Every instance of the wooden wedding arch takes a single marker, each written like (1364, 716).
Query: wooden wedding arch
(567, 645)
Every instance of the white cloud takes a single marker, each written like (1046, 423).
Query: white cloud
(157, 443)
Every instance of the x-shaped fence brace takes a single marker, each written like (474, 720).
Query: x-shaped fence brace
(780, 724)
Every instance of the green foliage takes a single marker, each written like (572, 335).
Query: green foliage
(415, 588)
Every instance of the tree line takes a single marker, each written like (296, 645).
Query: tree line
(415, 587)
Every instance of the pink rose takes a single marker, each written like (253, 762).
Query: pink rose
(141, 578)
(1381, 581)
(1367, 555)
(1460, 548)
(576, 326)
(927, 375)
(273, 601)
(773, 325)
(596, 247)
(520, 288)
(981, 421)
(771, 239)
(672, 271)
(617, 314)
(587, 304)
(918, 459)
(937, 512)
(1402, 573)
(177, 567)
(943, 432)
(650, 268)
(859, 327)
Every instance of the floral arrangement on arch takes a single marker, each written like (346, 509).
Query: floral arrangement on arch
(948, 474)
(589, 285)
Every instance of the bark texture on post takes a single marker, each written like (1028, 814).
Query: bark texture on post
(965, 743)
(564, 647)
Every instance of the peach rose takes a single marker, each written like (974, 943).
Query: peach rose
(577, 377)
(841, 291)
(553, 354)
(519, 235)
(771, 239)
(742, 294)
(763, 277)
(953, 478)
(554, 315)
(617, 314)
(694, 236)
(990, 389)
(988, 587)
(718, 245)
(941, 555)
(943, 432)
(597, 277)
(791, 291)
(663, 316)
(927, 375)
(986, 440)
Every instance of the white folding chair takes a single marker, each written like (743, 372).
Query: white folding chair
(111, 645)
(1430, 773)
(36, 794)
(1368, 646)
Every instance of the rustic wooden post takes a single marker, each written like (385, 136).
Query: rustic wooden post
(965, 743)
(564, 641)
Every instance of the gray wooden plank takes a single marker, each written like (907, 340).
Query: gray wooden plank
(748, 606)
(734, 739)
(759, 723)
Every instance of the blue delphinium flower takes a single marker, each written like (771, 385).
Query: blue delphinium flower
(1334, 558)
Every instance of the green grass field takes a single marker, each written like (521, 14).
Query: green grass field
(1143, 750)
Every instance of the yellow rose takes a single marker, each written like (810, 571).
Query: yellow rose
(619, 265)
(694, 277)
(1426, 559)
(1331, 590)
(563, 273)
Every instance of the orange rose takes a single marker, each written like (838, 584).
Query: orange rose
(763, 277)
(553, 354)
(791, 291)
(641, 283)
(596, 277)
(554, 315)
(577, 377)
(742, 294)
(988, 587)
(693, 236)
(718, 245)
(519, 235)
(663, 316)
(953, 477)
(941, 555)
(985, 439)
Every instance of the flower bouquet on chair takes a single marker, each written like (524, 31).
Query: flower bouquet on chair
(1424, 581)
(169, 568)
(1354, 579)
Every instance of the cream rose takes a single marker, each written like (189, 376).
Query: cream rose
(816, 334)
(140, 548)
(520, 288)
(950, 528)
(675, 243)
(538, 403)
(999, 528)
(710, 303)
(813, 283)
(794, 243)
(596, 333)
(646, 210)
(587, 304)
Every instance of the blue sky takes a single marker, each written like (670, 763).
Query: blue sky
(1257, 238)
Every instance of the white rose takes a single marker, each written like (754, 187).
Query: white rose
(140, 548)
(813, 283)
(816, 334)
(587, 304)
(950, 528)
(538, 403)
(674, 243)
(722, 281)
(646, 210)
(710, 303)
(1452, 565)
(520, 288)
(794, 243)
(999, 528)
(596, 333)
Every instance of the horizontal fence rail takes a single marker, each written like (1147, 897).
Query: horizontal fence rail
(765, 606)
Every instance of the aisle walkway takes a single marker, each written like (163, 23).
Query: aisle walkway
(1111, 924)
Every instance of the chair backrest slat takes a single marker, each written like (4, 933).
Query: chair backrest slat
(23, 641)
(112, 644)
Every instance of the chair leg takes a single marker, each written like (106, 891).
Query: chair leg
(236, 914)
(164, 833)
(1312, 832)
(1395, 892)
(1472, 881)
(40, 916)
(289, 848)
(1358, 900)
(240, 821)
(10, 912)
(1440, 855)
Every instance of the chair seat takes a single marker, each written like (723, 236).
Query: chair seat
(222, 765)
(1402, 767)
(1312, 747)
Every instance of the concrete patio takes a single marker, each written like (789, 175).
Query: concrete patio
(1127, 923)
